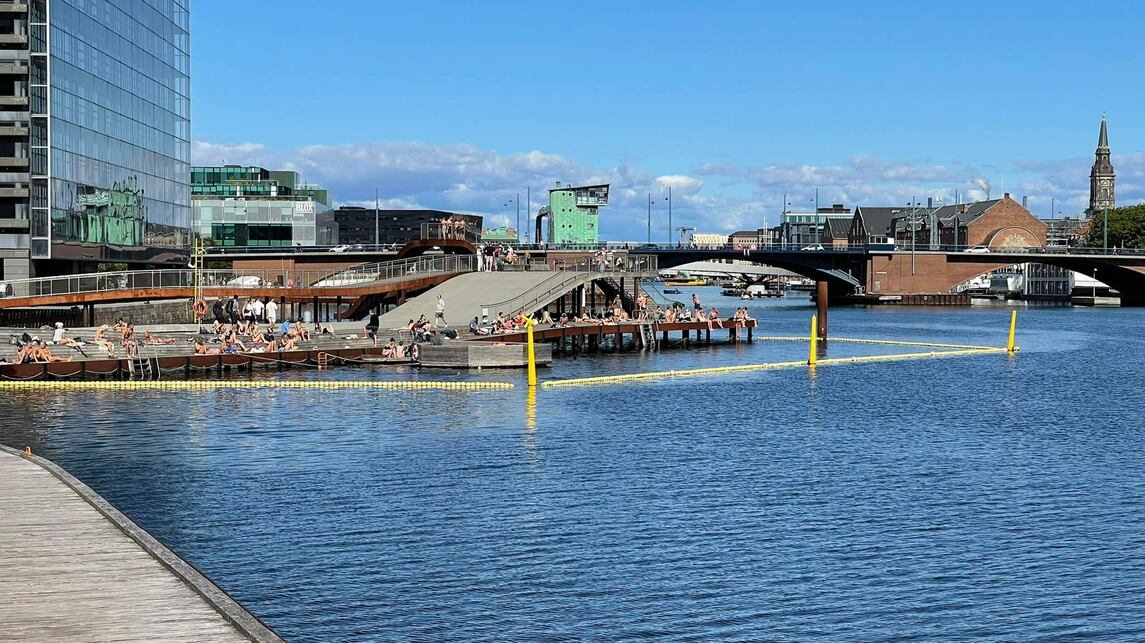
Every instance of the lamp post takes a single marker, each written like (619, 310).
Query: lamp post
(375, 218)
(815, 218)
(669, 214)
(650, 219)
(517, 201)
(1105, 232)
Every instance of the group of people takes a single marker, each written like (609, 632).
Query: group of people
(453, 228)
(253, 311)
(250, 336)
(492, 258)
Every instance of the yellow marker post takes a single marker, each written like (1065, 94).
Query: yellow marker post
(811, 354)
(532, 353)
(1013, 325)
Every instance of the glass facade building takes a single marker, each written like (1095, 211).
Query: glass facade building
(236, 205)
(107, 140)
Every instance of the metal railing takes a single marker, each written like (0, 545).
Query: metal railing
(562, 281)
(232, 279)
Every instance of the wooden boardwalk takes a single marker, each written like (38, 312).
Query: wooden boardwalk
(69, 572)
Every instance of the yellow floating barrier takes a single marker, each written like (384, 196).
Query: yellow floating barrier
(876, 342)
(836, 361)
(137, 385)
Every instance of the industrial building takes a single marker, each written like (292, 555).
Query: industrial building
(573, 214)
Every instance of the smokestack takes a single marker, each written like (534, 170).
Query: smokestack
(1024, 197)
(929, 202)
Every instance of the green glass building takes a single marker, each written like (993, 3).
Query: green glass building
(573, 214)
(237, 205)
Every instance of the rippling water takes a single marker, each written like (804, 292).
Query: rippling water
(981, 498)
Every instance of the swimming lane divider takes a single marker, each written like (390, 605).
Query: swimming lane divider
(877, 342)
(160, 385)
(746, 368)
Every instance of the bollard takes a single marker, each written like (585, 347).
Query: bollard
(532, 353)
(1013, 325)
(811, 354)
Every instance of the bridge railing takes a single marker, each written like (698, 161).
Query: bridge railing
(230, 279)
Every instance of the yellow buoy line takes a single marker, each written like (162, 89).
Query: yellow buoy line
(876, 342)
(836, 361)
(40, 385)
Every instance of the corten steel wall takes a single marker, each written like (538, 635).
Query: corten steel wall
(286, 267)
(1006, 224)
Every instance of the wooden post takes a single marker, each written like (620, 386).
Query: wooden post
(749, 333)
(821, 306)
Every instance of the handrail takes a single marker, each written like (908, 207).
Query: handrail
(632, 265)
(213, 280)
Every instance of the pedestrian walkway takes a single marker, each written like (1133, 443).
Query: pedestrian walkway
(70, 572)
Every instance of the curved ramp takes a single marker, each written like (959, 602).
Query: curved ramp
(464, 295)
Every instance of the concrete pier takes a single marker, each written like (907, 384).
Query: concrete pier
(73, 568)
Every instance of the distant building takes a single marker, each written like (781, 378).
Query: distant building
(709, 240)
(573, 214)
(805, 228)
(355, 225)
(504, 234)
(750, 238)
(996, 224)
(836, 234)
(1101, 176)
(238, 205)
(1065, 231)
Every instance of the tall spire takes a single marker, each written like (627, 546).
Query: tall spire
(1103, 137)
(1102, 176)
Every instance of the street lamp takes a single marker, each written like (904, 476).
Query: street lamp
(517, 201)
(1105, 231)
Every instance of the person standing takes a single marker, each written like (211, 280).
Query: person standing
(439, 312)
(257, 309)
(271, 310)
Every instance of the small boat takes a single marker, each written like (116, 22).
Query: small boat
(671, 291)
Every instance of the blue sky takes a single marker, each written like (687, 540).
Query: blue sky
(459, 105)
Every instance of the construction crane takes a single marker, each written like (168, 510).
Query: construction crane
(684, 230)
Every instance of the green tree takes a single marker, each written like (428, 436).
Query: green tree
(1126, 227)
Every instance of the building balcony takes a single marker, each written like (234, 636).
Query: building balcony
(13, 161)
(13, 7)
(13, 193)
(13, 131)
(13, 225)
(13, 39)
(13, 101)
(13, 69)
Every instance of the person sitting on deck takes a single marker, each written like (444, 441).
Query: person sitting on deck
(300, 332)
(388, 349)
(714, 316)
(152, 340)
(400, 351)
(129, 343)
(43, 354)
(546, 318)
(257, 336)
(288, 343)
(120, 325)
(101, 339)
(284, 329)
(476, 329)
(201, 347)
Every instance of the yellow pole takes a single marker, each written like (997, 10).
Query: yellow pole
(811, 354)
(1013, 325)
(532, 353)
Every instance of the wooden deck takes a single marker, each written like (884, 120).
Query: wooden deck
(72, 572)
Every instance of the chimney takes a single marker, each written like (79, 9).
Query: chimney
(1024, 202)
(929, 202)
(1005, 195)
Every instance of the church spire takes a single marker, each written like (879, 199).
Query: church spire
(1102, 176)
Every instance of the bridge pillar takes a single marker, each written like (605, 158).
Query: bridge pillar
(821, 305)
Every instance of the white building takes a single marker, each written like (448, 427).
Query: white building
(709, 239)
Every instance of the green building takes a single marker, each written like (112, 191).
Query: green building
(573, 214)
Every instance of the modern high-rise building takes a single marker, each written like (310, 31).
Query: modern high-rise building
(95, 129)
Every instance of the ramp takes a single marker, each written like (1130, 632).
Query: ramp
(464, 295)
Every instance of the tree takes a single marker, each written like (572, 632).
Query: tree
(1126, 227)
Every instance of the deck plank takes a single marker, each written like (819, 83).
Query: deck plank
(68, 574)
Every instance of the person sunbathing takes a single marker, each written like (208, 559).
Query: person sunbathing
(714, 316)
(152, 340)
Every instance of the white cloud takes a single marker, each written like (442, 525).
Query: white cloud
(470, 179)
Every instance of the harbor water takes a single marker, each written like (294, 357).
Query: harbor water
(976, 498)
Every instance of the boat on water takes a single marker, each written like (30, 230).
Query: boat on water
(671, 291)
(689, 281)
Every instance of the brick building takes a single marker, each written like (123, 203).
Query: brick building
(995, 224)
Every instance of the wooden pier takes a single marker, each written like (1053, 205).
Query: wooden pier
(73, 568)
(640, 335)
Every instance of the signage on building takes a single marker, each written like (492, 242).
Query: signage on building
(303, 207)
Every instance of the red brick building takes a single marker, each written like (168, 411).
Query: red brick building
(995, 224)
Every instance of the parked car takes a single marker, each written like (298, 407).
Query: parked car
(341, 248)
(978, 250)
(814, 246)
(246, 282)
